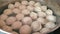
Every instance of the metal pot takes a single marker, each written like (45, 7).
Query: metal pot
(52, 4)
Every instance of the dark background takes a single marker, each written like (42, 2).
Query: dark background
(56, 31)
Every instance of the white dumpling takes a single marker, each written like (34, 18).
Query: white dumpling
(36, 26)
(27, 20)
(37, 9)
(43, 8)
(3, 17)
(49, 12)
(24, 2)
(16, 10)
(19, 16)
(50, 25)
(41, 14)
(7, 11)
(7, 28)
(44, 30)
(10, 20)
(31, 8)
(25, 29)
(31, 3)
(51, 18)
(42, 20)
(17, 4)
(11, 6)
(25, 12)
(16, 25)
(22, 7)
(37, 4)
(33, 15)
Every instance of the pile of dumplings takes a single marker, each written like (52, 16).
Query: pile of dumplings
(27, 18)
